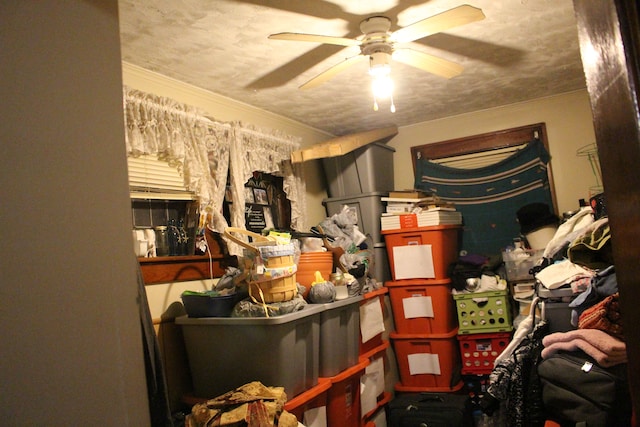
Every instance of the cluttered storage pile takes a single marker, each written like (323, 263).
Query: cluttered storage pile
(567, 359)
(303, 342)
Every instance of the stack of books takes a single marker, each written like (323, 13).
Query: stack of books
(425, 218)
(412, 200)
(413, 209)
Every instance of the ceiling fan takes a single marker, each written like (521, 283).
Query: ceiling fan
(379, 45)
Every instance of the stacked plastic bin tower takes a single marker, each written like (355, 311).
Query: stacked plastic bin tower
(485, 328)
(354, 394)
(424, 314)
(360, 179)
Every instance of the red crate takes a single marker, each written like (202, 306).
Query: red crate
(434, 313)
(442, 238)
(479, 351)
(376, 341)
(428, 362)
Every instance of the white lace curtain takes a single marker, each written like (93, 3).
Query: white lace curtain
(205, 151)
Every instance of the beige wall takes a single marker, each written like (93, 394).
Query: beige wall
(569, 127)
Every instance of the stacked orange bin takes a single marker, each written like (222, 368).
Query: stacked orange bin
(424, 314)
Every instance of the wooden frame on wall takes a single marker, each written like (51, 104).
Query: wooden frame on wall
(486, 142)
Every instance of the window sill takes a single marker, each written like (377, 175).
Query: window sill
(191, 267)
(182, 268)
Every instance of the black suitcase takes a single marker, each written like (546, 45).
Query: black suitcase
(430, 409)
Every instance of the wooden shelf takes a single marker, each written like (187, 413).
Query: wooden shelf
(182, 268)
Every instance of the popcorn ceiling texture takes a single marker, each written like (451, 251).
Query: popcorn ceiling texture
(524, 49)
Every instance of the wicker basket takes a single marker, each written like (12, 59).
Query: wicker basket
(279, 289)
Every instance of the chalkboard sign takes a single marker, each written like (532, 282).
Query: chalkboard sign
(254, 217)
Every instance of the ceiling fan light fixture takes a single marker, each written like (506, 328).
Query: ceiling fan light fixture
(382, 86)
(379, 64)
(381, 83)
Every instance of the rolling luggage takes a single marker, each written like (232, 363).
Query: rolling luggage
(432, 409)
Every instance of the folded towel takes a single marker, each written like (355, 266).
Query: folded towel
(605, 349)
(599, 339)
(603, 359)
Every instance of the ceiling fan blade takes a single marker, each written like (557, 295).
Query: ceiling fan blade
(429, 63)
(340, 41)
(328, 74)
(441, 22)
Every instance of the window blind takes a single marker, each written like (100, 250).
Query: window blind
(480, 159)
(151, 178)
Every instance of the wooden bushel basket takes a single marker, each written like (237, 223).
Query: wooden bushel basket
(267, 289)
(280, 289)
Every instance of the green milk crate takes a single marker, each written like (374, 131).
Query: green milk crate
(482, 312)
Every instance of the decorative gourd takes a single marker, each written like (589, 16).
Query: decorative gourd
(321, 291)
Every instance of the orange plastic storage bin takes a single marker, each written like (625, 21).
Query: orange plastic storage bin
(343, 398)
(428, 363)
(433, 310)
(315, 397)
(378, 416)
(443, 240)
(375, 355)
(376, 341)
(479, 351)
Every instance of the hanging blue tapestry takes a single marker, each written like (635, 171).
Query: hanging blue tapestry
(489, 197)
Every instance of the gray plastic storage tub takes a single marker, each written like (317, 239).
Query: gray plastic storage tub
(556, 307)
(369, 208)
(381, 271)
(339, 336)
(364, 170)
(228, 352)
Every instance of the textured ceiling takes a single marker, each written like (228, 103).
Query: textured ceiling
(522, 50)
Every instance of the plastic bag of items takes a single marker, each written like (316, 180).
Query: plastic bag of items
(343, 228)
(248, 308)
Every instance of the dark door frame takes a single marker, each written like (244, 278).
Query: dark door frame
(609, 34)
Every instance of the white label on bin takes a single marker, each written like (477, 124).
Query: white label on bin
(315, 417)
(376, 371)
(424, 363)
(419, 306)
(368, 393)
(413, 262)
(371, 319)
